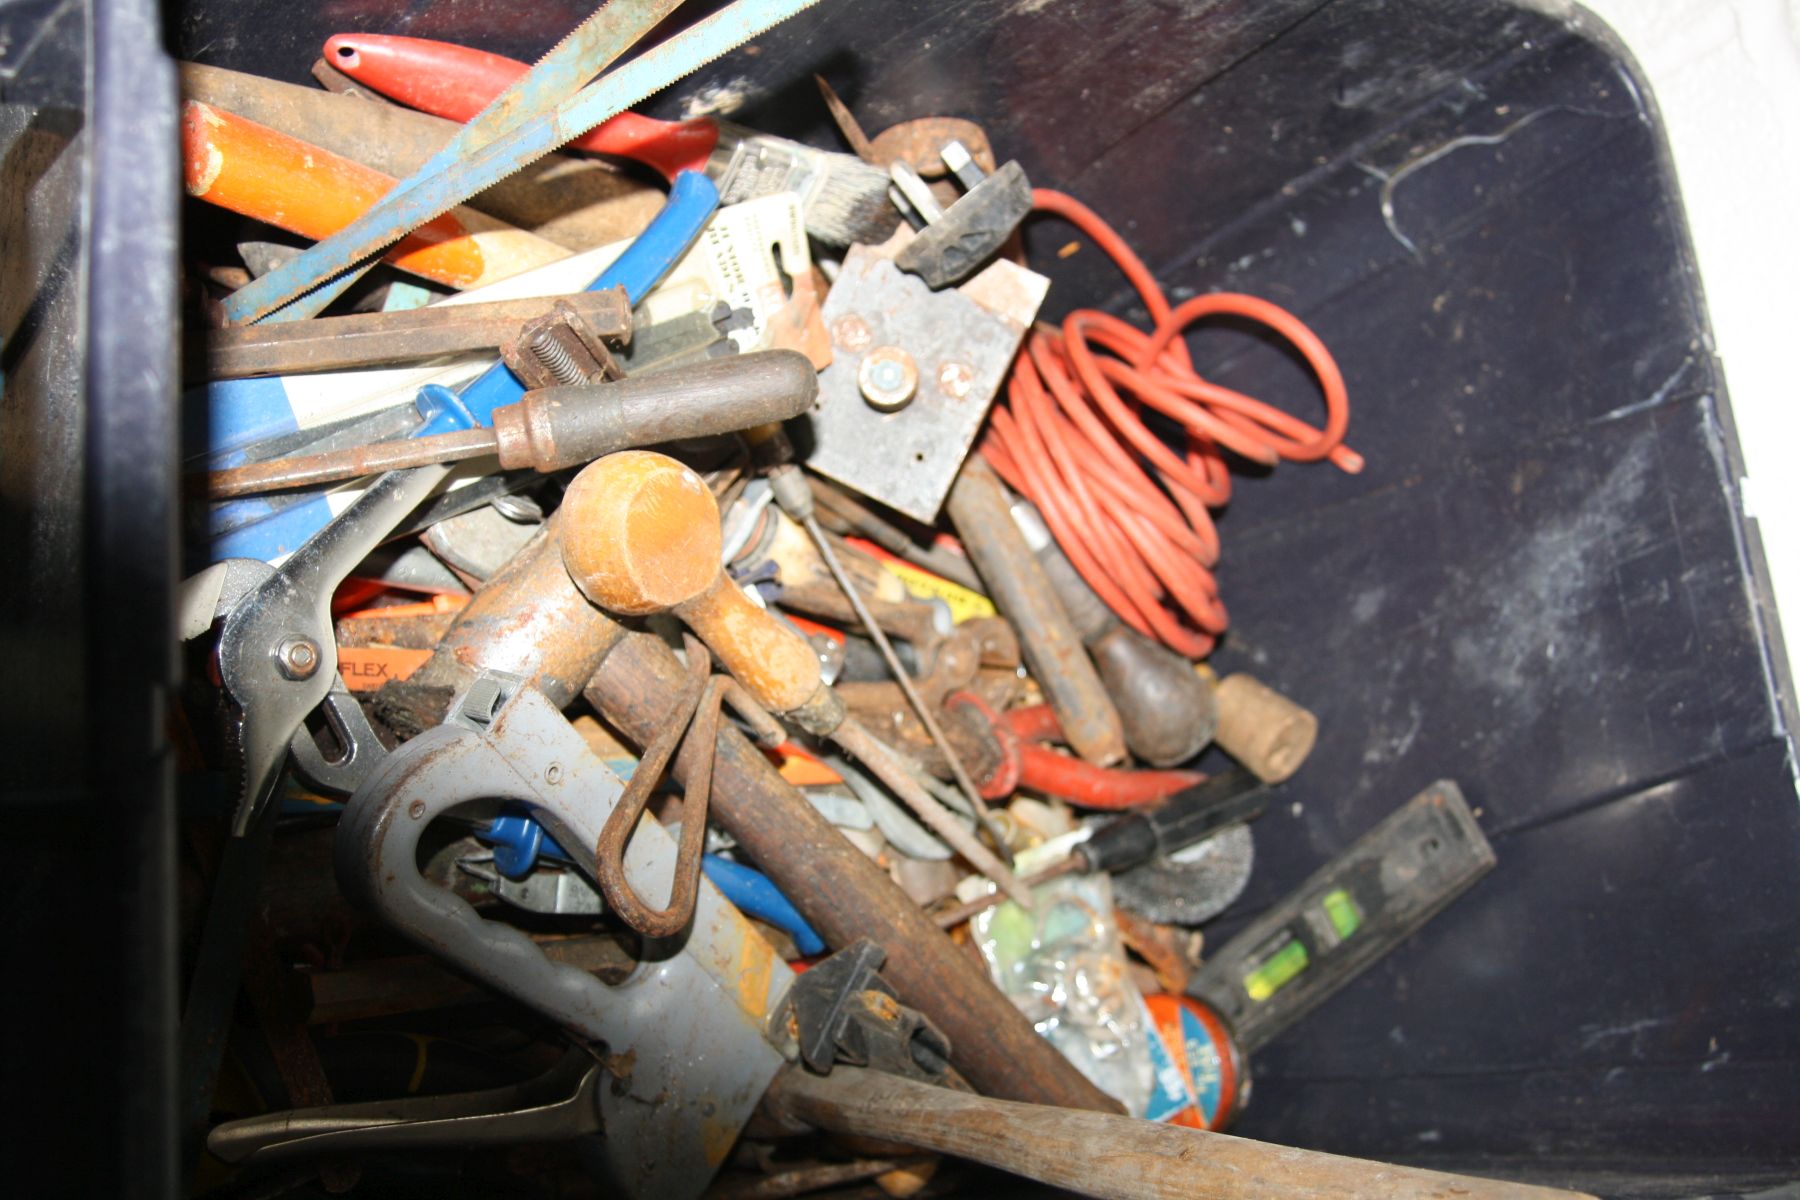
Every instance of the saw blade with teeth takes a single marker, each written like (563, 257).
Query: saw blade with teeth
(545, 109)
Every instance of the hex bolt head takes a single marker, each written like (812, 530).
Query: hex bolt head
(888, 378)
(297, 657)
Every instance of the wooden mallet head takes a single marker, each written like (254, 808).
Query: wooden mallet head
(640, 535)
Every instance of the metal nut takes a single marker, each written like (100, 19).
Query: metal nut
(297, 658)
(888, 378)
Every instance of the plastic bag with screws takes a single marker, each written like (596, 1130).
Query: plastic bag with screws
(1064, 966)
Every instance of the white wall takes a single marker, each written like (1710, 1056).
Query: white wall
(1726, 75)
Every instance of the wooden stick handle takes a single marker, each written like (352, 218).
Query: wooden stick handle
(1100, 1155)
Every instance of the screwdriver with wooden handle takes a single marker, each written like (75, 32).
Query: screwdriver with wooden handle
(642, 536)
(557, 427)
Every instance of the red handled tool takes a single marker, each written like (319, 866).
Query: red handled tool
(457, 82)
(1026, 764)
(842, 199)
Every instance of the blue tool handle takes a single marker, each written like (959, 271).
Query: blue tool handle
(752, 892)
(442, 411)
(690, 205)
(518, 840)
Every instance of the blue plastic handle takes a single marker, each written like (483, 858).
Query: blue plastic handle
(692, 200)
(755, 894)
(519, 841)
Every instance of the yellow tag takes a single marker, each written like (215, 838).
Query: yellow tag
(964, 604)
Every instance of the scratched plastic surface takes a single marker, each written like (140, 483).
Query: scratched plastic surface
(1539, 587)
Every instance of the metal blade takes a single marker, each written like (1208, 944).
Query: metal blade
(537, 119)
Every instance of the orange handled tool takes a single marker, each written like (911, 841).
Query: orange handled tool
(457, 82)
(263, 173)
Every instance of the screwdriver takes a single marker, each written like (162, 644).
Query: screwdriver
(556, 427)
(1187, 817)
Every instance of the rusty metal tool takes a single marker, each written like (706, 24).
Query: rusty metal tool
(374, 339)
(1132, 1159)
(643, 537)
(981, 512)
(546, 108)
(913, 374)
(684, 1076)
(843, 513)
(698, 736)
(903, 677)
(530, 620)
(794, 494)
(557, 427)
(1167, 710)
(560, 1104)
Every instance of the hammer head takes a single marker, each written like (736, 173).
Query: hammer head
(640, 533)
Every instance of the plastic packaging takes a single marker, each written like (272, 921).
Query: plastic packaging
(1064, 966)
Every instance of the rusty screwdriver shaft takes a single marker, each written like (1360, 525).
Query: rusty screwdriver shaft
(351, 463)
(557, 427)
(375, 339)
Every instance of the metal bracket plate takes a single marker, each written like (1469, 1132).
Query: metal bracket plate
(961, 340)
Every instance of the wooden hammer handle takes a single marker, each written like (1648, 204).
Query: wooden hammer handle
(1096, 1154)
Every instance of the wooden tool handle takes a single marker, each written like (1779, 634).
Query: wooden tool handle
(1262, 728)
(642, 536)
(1100, 1155)
(775, 663)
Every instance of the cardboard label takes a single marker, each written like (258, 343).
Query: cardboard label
(366, 668)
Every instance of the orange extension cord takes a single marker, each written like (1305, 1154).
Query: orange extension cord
(1067, 440)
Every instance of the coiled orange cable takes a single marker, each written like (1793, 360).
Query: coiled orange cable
(1132, 514)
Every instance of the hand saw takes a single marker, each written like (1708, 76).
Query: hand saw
(545, 109)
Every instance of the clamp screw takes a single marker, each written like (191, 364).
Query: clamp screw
(297, 657)
(888, 378)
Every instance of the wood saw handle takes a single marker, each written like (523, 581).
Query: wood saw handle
(641, 536)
